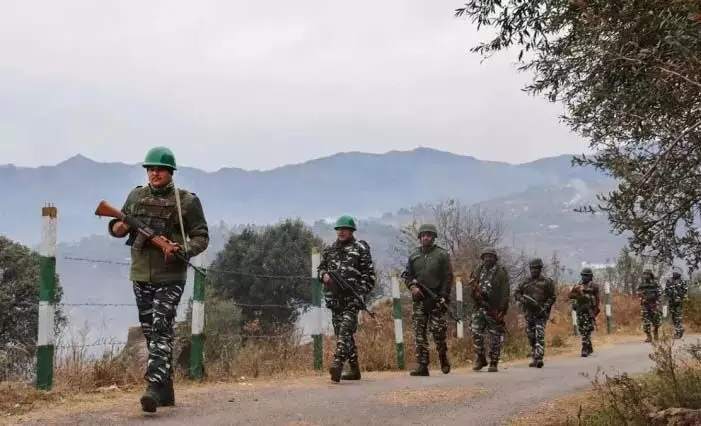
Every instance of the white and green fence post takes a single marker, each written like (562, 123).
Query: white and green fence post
(574, 321)
(316, 311)
(397, 316)
(607, 294)
(459, 308)
(197, 346)
(47, 289)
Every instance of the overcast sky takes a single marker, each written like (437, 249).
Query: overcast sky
(258, 84)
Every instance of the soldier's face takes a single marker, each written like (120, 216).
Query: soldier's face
(426, 239)
(489, 260)
(586, 278)
(158, 177)
(344, 234)
(535, 272)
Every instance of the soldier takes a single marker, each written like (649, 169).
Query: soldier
(676, 290)
(537, 297)
(430, 266)
(490, 295)
(649, 292)
(159, 278)
(587, 302)
(352, 260)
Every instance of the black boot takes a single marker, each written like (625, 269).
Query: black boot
(335, 371)
(590, 348)
(649, 337)
(585, 350)
(420, 370)
(445, 363)
(150, 398)
(656, 335)
(167, 396)
(480, 363)
(493, 366)
(354, 373)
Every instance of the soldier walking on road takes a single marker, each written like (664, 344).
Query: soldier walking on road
(537, 297)
(490, 296)
(352, 260)
(430, 266)
(159, 278)
(587, 302)
(649, 292)
(676, 290)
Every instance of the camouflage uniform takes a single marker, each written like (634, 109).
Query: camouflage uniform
(537, 297)
(586, 297)
(675, 292)
(158, 284)
(353, 260)
(432, 268)
(649, 291)
(489, 310)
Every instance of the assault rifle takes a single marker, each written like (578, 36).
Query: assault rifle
(431, 295)
(483, 300)
(534, 303)
(346, 288)
(104, 209)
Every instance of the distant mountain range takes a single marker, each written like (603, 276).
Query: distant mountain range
(534, 200)
(364, 185)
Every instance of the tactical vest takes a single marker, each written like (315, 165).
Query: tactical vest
(485, 280)
(588, 301)
(158, 212)
(536, 289)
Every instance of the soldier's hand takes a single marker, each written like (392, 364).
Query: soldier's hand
(327, 279)
(120, 229)
(416, 292)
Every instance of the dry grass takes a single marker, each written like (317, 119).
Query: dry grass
(286, 358)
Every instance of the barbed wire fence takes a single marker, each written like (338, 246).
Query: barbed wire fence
(38, 362)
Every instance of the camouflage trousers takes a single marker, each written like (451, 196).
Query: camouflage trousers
(157, 304)
(650, 313)
(429, 315)
(481, 323)
(585, 325)
(676, 310)
(535, 330)
(345, 324)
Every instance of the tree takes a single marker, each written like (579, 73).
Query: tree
(19, 308)
(463, 231)
(629, 76)
(267, 273)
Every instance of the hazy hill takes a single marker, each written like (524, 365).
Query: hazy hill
(364, 185)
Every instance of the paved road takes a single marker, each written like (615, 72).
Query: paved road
(480, 398)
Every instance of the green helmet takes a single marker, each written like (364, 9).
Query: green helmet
(160, 156)
(428, 228)
(536, 263)
(586, 272)
(488, 250)
(345, 222)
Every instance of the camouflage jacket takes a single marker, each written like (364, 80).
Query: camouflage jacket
(157, 208)
(649, 291)
(353, 261)
(431, 267)
(588, 299)
(494, 284)
(541, 290)
(675, 289)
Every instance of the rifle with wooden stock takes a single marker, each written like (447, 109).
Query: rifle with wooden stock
(483, 300)
(104, 209)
